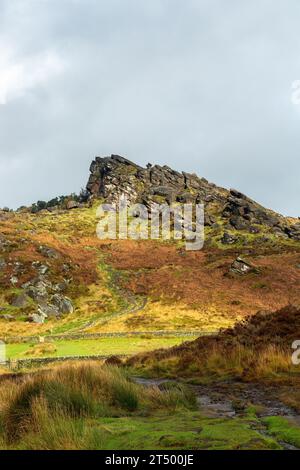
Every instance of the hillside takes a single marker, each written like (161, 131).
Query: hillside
(56, 276)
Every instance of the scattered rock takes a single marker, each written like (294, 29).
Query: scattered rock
(49, 310)
(42, 269)
(228, 239)
(72, 205)
(37, 318)
(240, 266)
(14, 280)
(38, 292)
(48, 252)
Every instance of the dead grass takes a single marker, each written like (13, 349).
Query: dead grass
(178, 316)
(200, 280)
(36, 404)
(41, 350)
(256, 349)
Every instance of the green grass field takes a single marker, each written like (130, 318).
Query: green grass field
(85, 347)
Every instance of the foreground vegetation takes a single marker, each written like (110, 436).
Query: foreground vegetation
(88, 406)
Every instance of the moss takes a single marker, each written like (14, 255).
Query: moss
(284, 430)
(157, 431)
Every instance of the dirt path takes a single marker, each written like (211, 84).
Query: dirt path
(135, 303)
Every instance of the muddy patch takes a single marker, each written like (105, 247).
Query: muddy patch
(234, 399)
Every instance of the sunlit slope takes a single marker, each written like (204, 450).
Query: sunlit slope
(55, 259)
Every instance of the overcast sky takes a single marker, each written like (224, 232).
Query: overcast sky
(200, 85)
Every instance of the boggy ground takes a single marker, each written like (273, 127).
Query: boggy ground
(91, 406)
(247, 369)
(235, 400)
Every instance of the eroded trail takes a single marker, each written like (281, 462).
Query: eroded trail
(230, 400)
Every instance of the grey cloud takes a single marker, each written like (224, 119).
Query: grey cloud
(199, 85)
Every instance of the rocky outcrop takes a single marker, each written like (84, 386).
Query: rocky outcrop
(115, 176)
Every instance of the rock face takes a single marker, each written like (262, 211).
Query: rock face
(115, 176)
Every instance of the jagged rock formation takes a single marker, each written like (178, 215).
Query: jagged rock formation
(114, 176)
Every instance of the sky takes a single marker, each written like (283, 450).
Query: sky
(204, 86)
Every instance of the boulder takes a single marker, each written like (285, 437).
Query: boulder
(14, 280)
(48, 310)
(72, 205)
(239, 223)
(63, 304)
(228, 239)
(61, 286)
(252, 229)
(237, 194)
(38, 292)
(240, 266)
(41, 268)
(293, 231)
(37, 318)
(186, 198)
(209, 220)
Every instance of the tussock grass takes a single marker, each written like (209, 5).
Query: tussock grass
(52, 405)
(218, 362)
